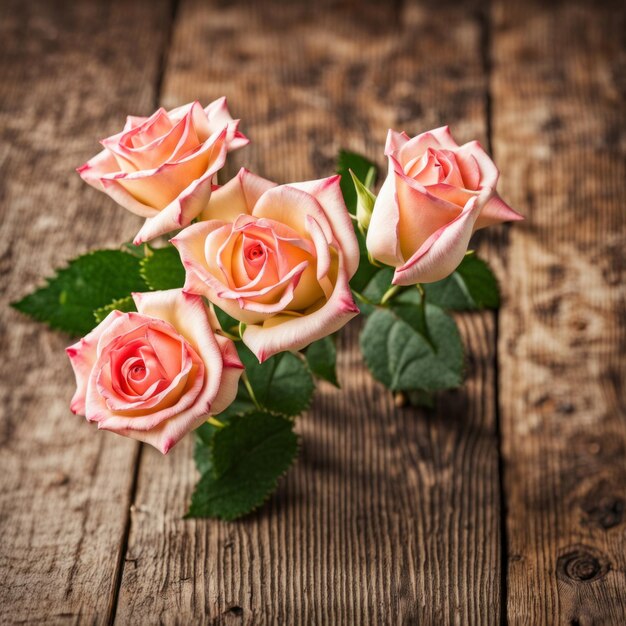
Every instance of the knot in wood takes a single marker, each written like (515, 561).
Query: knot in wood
(582, 564)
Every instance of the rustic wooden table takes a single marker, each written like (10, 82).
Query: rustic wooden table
(508, 500)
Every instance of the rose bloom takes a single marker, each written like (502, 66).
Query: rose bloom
(435, 196)
(157, 374)
(277, 258)
(162, 167)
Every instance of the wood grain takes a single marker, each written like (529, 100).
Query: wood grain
(558, 103)
(390, 515)
(69, 73)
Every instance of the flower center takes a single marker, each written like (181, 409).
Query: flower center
(137, 372)
(255, 252)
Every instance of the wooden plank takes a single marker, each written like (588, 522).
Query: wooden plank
(69, 73)
(391, 515)
(558, 115)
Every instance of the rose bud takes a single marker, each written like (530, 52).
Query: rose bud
(435, 196)
(162, 167)
(157, 374)
(277, 258)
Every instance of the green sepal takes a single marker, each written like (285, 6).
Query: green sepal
(362, 168)
(364, 203)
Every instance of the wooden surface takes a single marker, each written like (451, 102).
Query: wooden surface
(559, 135)
(507, 502)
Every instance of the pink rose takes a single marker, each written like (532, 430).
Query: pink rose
(435, 196)
(162, 167)
(278, 258)
(157, 374)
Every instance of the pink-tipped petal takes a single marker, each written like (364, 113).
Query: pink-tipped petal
(82, 355)
(92, 171)
(186, 207)
(115, 190)
(421, 213)
(395, 141)
(439, 138)
(219, 116)
(233, 369)
(489, 173)
(231, 200)
(382, 241)
(327, 192)
(321, 247)
(294, 333)
(442, 252)
(188, 314)
(190, 244)
(254, 187)
(496, 211)
(290, 206)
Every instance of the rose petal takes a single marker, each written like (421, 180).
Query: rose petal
(190, 243)
(489, 173)
(133, 158)
(187, 206)
(233, 369)
(496, 211)
(327, 192)
(237, 197)
(421, 214)
(382, 239)
(82, 355)
(294, 333)
(158, 187)
(188, 315)
(442, 252)
(439, 138)
(290, 206)
(219, 116)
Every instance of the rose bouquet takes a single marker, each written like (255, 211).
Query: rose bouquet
(222, 313)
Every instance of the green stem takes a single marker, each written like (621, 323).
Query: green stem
(390, 293)
(215, 422)
(250, 390)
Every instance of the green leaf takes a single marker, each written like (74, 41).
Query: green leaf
(471, 286)
(403, 358)
(139, 251)
(241, 405)
(121, 304)
(202, 453)
(229, 324)
(91, 281)
(322, 359)
(283, 384)
(162, 269)
(378, 285)
(362, 168)
(249, 455)
(365, 271)
(354, 167)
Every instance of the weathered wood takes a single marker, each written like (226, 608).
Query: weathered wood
(558, 135)
(69, 73)
(391, 515)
